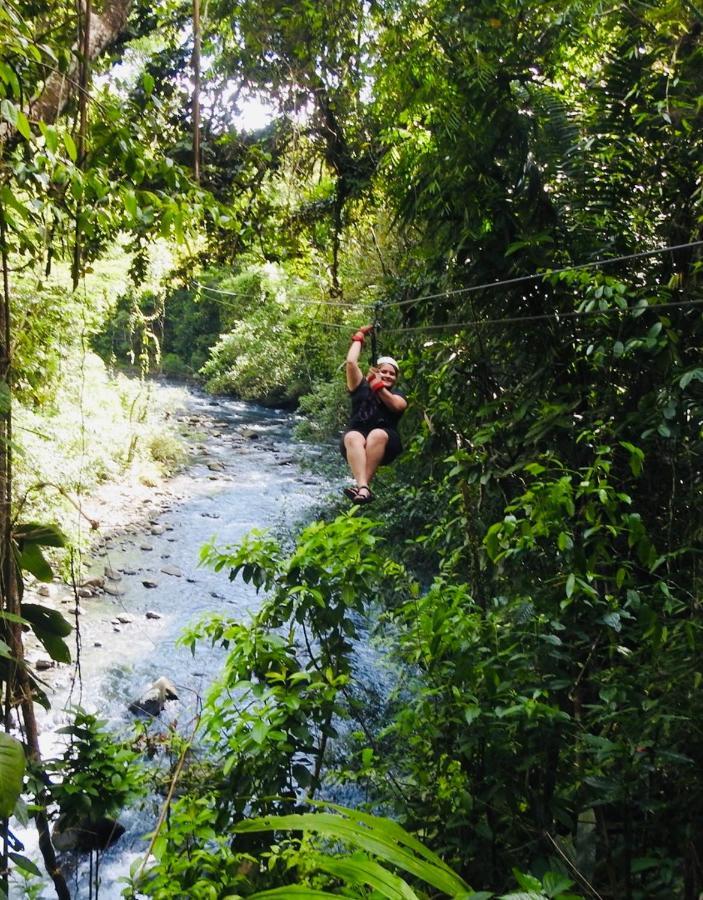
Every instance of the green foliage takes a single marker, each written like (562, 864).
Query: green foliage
(98, 774)
(271, 351)
(325, 410)
(269, 718)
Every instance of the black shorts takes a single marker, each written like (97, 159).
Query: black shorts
(393, 447)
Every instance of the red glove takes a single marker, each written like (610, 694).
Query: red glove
(360, 335)
(376, 384)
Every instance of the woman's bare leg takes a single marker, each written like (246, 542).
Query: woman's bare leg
(355, 445)
(376, 443)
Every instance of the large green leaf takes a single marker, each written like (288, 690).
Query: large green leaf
(50, 627)
(42, 618)
(40, 534)
(12, 763)
(32, 560)
(25, 864)
(292, 890)
(381, 837)
(5, 397)
(360, 869)
(396, 831)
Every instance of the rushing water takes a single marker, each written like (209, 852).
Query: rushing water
(245, 475)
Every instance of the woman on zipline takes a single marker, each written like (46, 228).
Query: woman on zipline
(371, 438)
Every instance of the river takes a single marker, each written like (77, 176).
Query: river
(244, 474)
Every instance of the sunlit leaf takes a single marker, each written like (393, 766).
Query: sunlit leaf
(12, 764)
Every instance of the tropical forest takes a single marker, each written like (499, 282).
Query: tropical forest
(459, 242)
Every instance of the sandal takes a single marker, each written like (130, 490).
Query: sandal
(365, 497)
(351, 492)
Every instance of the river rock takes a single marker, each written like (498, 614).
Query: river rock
(172, 570)
(128, 571)
(146, 547)
(150, 583)
(86, 835)
(249, 434)
(112, 574)
(124, 620)
(114, 590)
(44, 590)
(41, 665)
(157, 529)
(84, 592)
(151, 614)
(216, 466)
(154, 698)
(95, 581)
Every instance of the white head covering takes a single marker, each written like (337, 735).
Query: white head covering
(388, 361)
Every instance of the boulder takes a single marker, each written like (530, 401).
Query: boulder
(96, 581)
(154, 698)
(86, 834)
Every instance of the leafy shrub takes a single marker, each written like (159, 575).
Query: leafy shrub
(167, 449)
(173, 366)
(99, 773)
(250, 363)
(324, 409)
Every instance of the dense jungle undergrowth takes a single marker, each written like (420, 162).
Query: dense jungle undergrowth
(513, 192)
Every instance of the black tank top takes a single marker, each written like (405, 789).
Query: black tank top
(368, 411)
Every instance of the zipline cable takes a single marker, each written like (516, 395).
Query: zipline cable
(296, 302)
(569, 314)
(507, 282)
(516, 320)
(235, 306)
(521, 279)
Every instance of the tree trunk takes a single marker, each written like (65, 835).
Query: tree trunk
(59, 87)
(196, 91)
